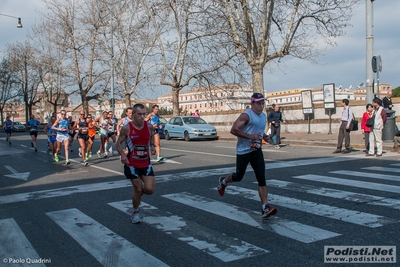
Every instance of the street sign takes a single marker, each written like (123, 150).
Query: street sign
(376, 64)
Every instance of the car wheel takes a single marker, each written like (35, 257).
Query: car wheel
(167, 137)
(187, 137)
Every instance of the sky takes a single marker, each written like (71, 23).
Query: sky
(343, 65)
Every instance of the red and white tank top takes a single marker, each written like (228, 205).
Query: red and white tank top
(138, 143)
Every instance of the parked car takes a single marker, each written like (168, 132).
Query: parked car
(163, 121)
(189, 128)
(18, 127)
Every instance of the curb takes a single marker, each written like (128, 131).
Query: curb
(386, 146)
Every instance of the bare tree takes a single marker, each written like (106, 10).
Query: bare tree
(8, 90)
(130, 45)
(51, 66)
(23, 58)
(80, 24)
(186, 43)
(272, 29)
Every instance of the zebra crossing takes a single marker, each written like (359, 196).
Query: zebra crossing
(112, 248)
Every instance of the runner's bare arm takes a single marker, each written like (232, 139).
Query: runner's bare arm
(121, 138)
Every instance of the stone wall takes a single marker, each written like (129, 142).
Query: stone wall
(296, 121)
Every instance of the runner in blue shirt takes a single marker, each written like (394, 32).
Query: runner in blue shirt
(8, 125)
(33, 130)
(62, 126)
(154, 119)
(51, 136)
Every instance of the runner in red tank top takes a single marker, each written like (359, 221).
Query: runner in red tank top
(138, 135)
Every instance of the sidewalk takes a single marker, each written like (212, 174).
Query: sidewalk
(314, 139)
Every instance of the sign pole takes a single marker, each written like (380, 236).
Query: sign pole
(330, 121)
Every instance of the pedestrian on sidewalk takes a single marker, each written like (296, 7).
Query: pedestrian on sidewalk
(249, 128)
(375, 137)
(275, 119)
(396, 141)
(365, 130)
(344, 129)
(387, 101)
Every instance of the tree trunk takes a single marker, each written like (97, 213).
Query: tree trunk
(257, 79)
(128, 102)
(175, 101)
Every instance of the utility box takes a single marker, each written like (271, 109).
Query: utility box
(389, 130)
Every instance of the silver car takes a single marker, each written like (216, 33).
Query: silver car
(189, 128)
(18, 127)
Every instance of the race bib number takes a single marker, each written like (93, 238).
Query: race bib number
(140, 152)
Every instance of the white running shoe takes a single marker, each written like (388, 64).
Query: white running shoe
(135, 218)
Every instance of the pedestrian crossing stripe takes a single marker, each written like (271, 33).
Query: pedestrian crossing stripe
(215, 243)
(290, 229)
(339, 194)
(351, 216)
(347, 182)
(368, 175)
(15, 245)
(383, 169)
(105, 246)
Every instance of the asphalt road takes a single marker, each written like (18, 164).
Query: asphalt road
(74, 215)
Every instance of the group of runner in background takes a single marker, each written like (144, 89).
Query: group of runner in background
(62, 131)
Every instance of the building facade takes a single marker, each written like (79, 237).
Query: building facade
(210, 99)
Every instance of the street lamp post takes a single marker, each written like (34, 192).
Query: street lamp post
(19, 24)
(369, 50)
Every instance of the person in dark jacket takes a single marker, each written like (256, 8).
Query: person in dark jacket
(275, 119)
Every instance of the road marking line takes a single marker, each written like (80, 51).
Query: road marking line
(15, 245)
(353, 183)
(368, 175)
(341, 214)
(104, 245)
(290, 229)
(338, 194)
(216, 244)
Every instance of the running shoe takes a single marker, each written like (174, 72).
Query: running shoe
(98, 154)
(268, 211)
(72, 150)
(159, 158)
(56, 159)
(135, 218)
(86, 156)
(90, 155)
(105, 154)
(277, 146)
(67, 162)
(80, 152)
(9, 142)
(221, 187)
(35, 149)
(85, 163)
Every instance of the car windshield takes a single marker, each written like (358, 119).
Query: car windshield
(194, 120)
(163, 120)
(16, 123)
